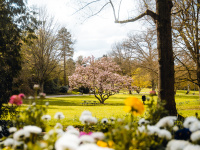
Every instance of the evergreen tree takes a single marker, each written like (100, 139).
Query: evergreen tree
(15, 20)
(66, 43)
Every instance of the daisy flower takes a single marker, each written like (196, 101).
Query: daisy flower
(59, 115)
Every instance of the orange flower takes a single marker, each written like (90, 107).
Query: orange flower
(134, 105)
(102, 144)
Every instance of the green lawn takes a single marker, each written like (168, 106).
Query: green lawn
(72, 108)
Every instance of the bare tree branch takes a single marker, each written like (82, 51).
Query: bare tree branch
(86, 6)
(147, 12)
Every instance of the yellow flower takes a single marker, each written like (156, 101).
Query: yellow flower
(7, 148)
(134, 105)
(102, 144)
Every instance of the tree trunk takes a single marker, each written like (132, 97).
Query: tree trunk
(42, 87)
(65, 82)
(165, 55)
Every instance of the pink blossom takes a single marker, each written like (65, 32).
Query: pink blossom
(21, 95)
(100, 76)
(152, 92)
(17, 99)
(84, 133)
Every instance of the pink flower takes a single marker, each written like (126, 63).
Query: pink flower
(84, 133)
(152, 93)
(21, 95)
(17, 99)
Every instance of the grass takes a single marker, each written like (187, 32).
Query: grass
(71, 106)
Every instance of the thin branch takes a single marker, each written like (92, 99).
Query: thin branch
(98, 11)
(86, 6)
(119, 9)
(147, 12)
(113, 9)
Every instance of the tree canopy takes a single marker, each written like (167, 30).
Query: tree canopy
(101, 77)
(16, 25)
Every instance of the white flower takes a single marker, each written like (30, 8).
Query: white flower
(36, 86)
(127, 127)
(119, 120)
(69, 128)
(149, 129)
(164, 134)
(91, 146)
(21, 135)
(98, 135)
(175, 128)
(88, 119)
(42, 95)
(73, 131)
(57, 132)
(192, 147)
(47, 103)
(12, 129)
(86, 112)
(188, 121)
(67, 141)
(33, 103)
(86, 139)
(152, 129)
(141, 129)
(30, 97)
(194, 126)
(46, 117)
(104, 120)
(33, 129)
(112, 119)
(59, 115)
(9, 142)
(177, 145)
(143, 122)
(58, 126)
(19, 144)
(166, 121)
(195, 136)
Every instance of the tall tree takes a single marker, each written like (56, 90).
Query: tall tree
(44, 53)
(16, 20)
(186, 37)
(66, 43)
(162, 19)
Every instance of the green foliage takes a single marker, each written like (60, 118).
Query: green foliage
(63, 89)
(155, 111)
(31, 116)
(51, 87)
(15, 20)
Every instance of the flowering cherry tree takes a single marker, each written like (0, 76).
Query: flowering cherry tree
(101, 77)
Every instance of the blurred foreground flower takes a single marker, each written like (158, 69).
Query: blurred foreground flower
(17, 99)
(134, 106)
(42, 95)
(152, 93)
(59, 115)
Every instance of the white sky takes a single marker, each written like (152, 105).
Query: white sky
(94, 36)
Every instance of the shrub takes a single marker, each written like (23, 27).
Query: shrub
(84, 90)
(63, 89)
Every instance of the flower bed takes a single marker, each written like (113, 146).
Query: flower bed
(31, 131)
